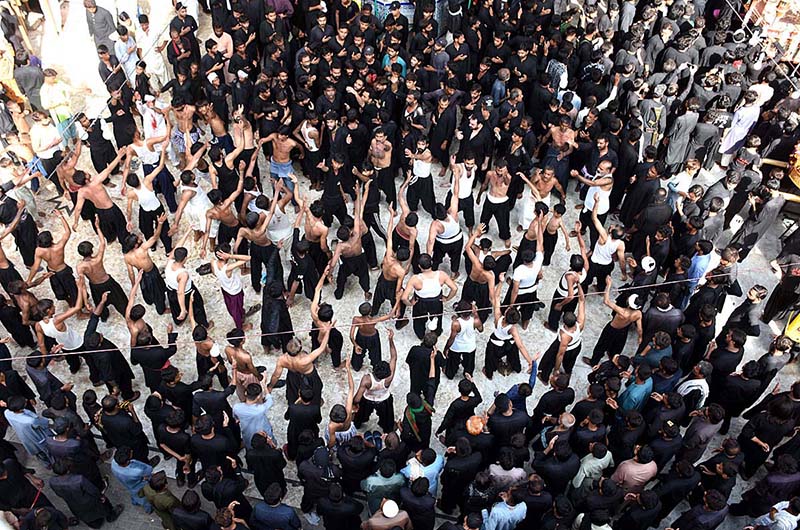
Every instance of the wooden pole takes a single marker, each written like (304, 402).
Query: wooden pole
(23, 30)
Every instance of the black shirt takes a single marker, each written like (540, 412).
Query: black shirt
(340, 515)
(556, 474)
(120, 428)
(199, 520)
(504, 427)
(212, 452)
(213, 403)
(267, 465)
(459, 411)
(356, 466)
(16, 491)
(421, 510)
(176, 441)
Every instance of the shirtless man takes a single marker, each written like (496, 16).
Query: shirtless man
(394, 268)
(134, 313)
(544, 181)
(301, 367)
(23, 149)
(137, 257)
(67, 168)
(615, 334)
(62, 280)
(185, 134)
(562, 144)
(150, 208)
(260, 245)
(479, 286)
(405, 232)
(350, 253)
(24, 299)
(280, 163)
(100, 282)
(221, 137)
(241, 361)
(380, 154)
(243, 132)
(497, 204)
(316, 233)
(364, 336)
(92, 190)
(224, 215)
(208, 353)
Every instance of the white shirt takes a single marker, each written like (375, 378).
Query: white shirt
(783, 519)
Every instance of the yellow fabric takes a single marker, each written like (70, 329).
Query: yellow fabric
(793, 327)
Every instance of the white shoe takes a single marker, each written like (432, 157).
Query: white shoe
(312, 518)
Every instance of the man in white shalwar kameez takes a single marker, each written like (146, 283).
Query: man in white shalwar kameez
(152, 41)
(126, 51)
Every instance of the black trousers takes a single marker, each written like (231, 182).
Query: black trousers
(500, 211)
(600, 272)
(259, 257)
(421, 191)
(384, 409)
(148, 222)
(385, 180)
(116, 296)
(199, 309)
(353, 265)
(456, 359)
(337, 210)
(451, 250)
(497, 352)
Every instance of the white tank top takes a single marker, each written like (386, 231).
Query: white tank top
(466, 340)
(340, 436)
(563, 284)
(466, 181)
(377, 391)
(171, 277)
(603, 254)
(422, 169)
(230, 284)
(251, 205)
(575, 338)
(145, 155)
(527, 277)
(70, 339)
(280, 227)
(451, 231)
(430, 288)
(199, 200)
(148, 201)
(594, 193)
(312, 144)
(502, 334)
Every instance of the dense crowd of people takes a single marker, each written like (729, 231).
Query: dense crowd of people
(487, 144)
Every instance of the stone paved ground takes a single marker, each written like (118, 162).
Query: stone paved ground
(62, 52)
